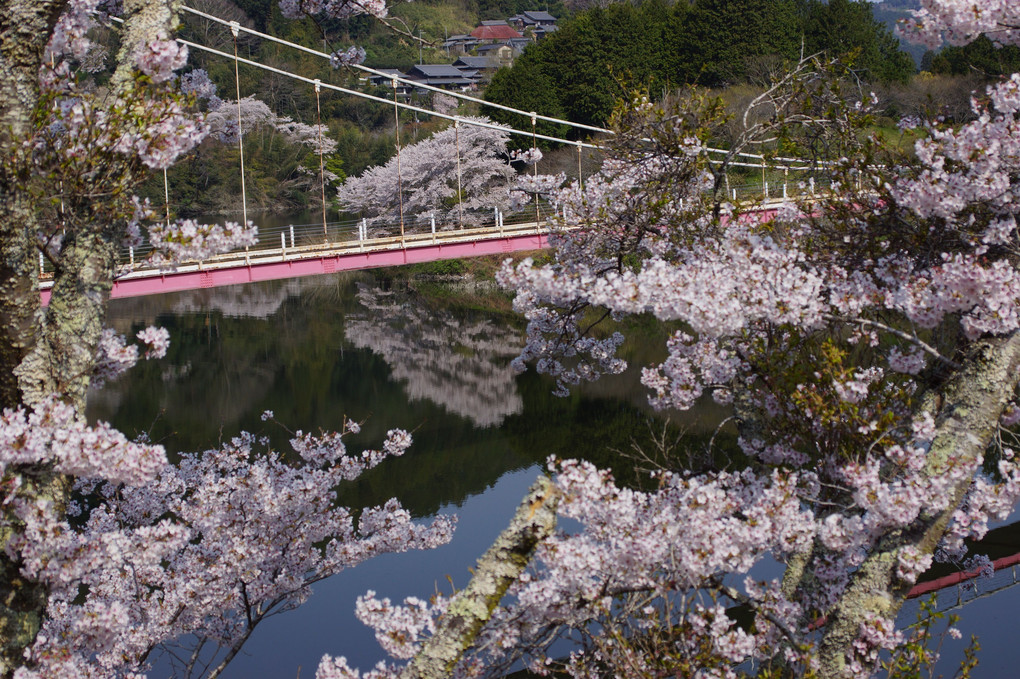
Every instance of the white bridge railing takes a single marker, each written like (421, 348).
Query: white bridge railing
(301, 241)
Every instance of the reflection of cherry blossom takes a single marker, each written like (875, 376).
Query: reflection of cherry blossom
(462, 365)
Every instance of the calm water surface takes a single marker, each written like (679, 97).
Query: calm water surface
(318, 349)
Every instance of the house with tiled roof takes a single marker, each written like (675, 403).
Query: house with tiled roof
(541, 31)
(459, 44)
(443, 75)
(532, 19)
(493, 31)
(483, 65)
(480, 63)
(386, 79)
(500, 52)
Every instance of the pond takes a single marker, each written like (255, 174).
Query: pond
(317, 350)
(320, 349)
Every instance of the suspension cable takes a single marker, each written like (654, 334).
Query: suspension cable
(406, 81)
(400, 182)
(166, 197)
(534, 156)
(458, 95)
(322, 169)
(372, 97)
(580, 177)
(460, 194)
(436, 114)
(234, 28)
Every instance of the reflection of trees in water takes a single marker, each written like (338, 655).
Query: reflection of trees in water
(245, 300)
(460, 363)
(251, 301)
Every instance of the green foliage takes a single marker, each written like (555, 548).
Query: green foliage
(752, 29)
(435, 21)
(980, 56)
(848, 27)
(917, 657)
(259, 11)
(501, 9)
(440, 267)
(335, 164)
(529, 88)
(581, 71)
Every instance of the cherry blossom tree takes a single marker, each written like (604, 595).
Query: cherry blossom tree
(424, 179)
(110, 554)
(867, 342)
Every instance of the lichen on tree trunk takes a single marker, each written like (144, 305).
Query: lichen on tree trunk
(48, 351)
(970, 406)
(501, 564)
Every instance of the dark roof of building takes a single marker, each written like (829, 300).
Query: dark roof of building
(481, 49)
(541, 17)
(494, 22)
(480, 63)
(389, 73)
(436, 71)
(503, 32)
(459, 82)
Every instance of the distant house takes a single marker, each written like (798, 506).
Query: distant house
(443, 75)
(500, 53)
(532, 20)
(480, 63)
(386, 80)
(494, 31)
(459, 44)
(542, 31)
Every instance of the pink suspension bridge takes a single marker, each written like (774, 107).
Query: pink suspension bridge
(326, 248)
(314, 249)
(308, 250)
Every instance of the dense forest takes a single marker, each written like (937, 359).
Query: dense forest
(581, 70)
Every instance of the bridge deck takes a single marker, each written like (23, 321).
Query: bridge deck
(325, 258)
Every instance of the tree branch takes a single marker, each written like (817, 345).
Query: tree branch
(967, 420)
(501, 564)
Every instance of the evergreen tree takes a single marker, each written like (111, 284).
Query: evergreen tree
(722, 34)
(980, 56)
(848, 27)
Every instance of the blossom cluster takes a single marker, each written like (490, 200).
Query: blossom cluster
(209, 546)
(960, 21)
(187, 240)
(335, 9)
(159, 58)
(114, 356)
(351, 56)
(466, 157)
(53, 433)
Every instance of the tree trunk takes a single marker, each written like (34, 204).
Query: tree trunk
(25, 28)
(971, 404)
(52, 351)
(501, 564)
